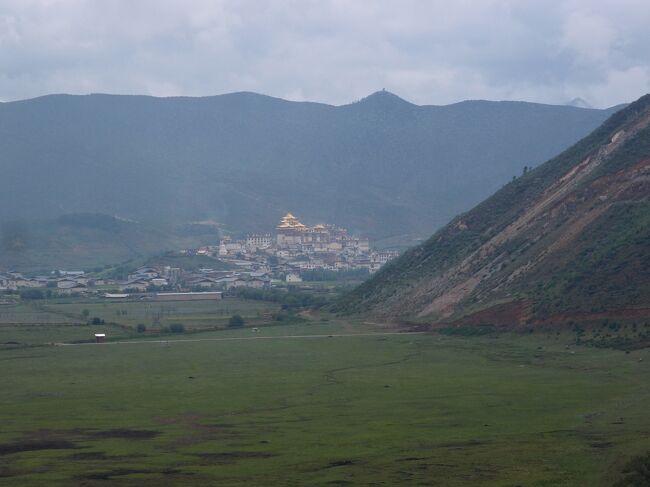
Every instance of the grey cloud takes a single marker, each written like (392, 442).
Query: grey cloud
(335, 51)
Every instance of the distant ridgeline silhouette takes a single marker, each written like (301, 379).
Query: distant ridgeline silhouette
(381, 166)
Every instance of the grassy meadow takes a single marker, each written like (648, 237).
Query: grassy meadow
(60, 320)
(416, 409)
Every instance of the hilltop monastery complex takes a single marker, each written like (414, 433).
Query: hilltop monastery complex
(303, 247)
(256, 261)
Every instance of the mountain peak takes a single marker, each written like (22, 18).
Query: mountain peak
(579, 103)
(384, 98)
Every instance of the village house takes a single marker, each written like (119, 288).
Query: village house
(230, 247)
(227, 283)
(257, 282)
(15, 280)
(4, 282)
(72, 274)
(30, 283)
(256, 242)
(217, 274)
(200, 282)
(66, 283)
(172, 274)
(43, 281)
(143, 273)
(70, 287)
(137, 285)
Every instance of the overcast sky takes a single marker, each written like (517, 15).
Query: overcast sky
(332, 51)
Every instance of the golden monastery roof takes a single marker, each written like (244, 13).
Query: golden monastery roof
(289, 221)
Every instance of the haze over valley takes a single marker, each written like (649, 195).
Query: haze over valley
(382, 166)
(368, 243)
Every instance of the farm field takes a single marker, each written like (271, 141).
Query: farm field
(47, 321)
(410, 409)
(193, 314)
(29, 324)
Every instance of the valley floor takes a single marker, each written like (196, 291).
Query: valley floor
(399, 409)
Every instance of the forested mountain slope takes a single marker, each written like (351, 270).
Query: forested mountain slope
(570, 238)
(381, 166)
(85, 241)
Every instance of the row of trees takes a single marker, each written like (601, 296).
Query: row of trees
(235, 321)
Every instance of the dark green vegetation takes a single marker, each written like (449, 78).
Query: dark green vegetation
(627, 335)
(236, 321)
(319, 275)
(610, 265)
(381, 166)
(637, 473)
(494, 410)
(567, 241)
(290, 298)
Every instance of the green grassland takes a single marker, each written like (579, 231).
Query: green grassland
(609, 265)
(194, 315)
(35, 323)
(417, 409)
(30, 324)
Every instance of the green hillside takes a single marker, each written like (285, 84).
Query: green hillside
(83, 241)
(568, 240)
(381, 166)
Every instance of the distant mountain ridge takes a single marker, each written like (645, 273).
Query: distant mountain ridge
(381, 166)
(568, 241)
